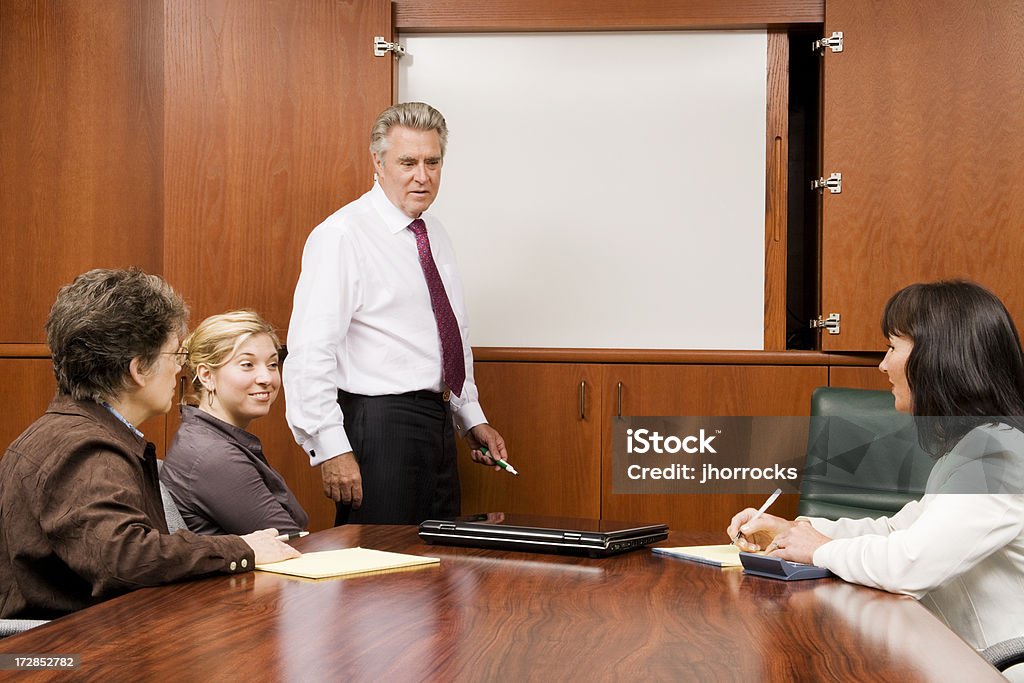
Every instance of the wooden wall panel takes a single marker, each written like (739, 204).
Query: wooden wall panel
(858, 378)
(536, 408)
(28, 386)
(568, 15)
(81, 125)
(700, 390)
(269, 107)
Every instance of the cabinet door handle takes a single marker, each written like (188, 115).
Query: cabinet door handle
(618, 392)
(583, 400)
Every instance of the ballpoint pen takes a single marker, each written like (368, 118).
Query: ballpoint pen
(760, 511)
(499, 462)
(290, 537)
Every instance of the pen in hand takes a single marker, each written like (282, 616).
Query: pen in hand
(291, 537)
(499, 462)
(760, 511)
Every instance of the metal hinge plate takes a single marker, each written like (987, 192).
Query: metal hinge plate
(834, 183)
(831, 323)
(833, 42)
(382, 46)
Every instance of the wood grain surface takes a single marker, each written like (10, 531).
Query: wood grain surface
(268, 113)
(594, 15)
(922, 116)
(858, 378)
(776, 191)
(81, 148)
(485, 615)
(699, 390)
(536, 407)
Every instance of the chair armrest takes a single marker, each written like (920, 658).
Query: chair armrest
(1005, 654)
(10, 627)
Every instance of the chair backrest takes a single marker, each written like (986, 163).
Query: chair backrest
(174, 519)
(863, 457)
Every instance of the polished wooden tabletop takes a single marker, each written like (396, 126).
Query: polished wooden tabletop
(483, 615)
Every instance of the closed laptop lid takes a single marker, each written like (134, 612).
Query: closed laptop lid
(545, 534)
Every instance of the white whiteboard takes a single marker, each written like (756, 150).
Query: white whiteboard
(603, 190)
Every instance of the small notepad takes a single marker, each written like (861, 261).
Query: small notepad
(715, 555)
(328, 563)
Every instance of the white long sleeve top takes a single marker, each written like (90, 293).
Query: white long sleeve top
(960, 553)
(362, 321)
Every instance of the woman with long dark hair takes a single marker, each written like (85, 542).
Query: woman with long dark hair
(955, 363)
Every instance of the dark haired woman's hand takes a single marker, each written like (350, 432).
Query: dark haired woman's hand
(754, 536)
(798, 543)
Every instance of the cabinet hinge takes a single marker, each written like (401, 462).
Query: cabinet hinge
(834, 183)
(381, 46)
(831, 323)
(833, 42)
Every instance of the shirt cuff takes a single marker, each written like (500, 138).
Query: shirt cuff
(328, 444)
(239, 557)
(468, 416)
(820, 556)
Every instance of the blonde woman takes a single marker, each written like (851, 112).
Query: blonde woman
(80, 514)
(215, 470)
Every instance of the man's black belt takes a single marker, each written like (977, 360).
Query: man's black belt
(422, 394)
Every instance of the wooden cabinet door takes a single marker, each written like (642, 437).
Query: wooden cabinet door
(922, 116)
(696, 390)
(552, 435)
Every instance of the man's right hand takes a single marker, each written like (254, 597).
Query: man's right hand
(343, 483)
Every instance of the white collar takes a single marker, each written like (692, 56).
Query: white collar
(395, 220)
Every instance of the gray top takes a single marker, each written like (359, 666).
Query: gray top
(222, 483)
(81, 519)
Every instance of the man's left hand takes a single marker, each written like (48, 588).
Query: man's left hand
(485, 435)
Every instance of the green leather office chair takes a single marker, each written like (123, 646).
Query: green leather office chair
(863, 458)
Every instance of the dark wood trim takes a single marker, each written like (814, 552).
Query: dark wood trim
(671, 356)
(24, 351)
(525, 355)
(472, 16)
(776, 191)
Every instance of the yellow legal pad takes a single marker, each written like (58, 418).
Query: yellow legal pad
(717, 555)
(328, 563)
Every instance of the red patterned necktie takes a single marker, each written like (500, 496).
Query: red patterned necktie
(453, 362)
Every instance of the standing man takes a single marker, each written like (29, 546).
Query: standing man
(379, 360)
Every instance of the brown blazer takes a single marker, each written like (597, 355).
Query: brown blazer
(81, 519)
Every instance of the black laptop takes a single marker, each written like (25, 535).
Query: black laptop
(562, 535)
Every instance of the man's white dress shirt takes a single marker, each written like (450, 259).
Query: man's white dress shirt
(362, 321)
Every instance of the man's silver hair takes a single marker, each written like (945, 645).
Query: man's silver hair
(414, 115)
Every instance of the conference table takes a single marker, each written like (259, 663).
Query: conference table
(488, 615)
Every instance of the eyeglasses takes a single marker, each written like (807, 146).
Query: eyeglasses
(179, 356)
